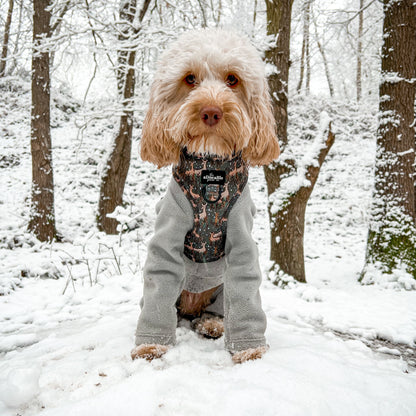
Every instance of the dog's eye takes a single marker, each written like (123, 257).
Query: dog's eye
(190, 79)
(231, 80)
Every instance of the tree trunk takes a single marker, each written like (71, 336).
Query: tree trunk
(325, 60)
(305, 55)
(359, 49)
(278, 24)
(203, 14)
(6, 39)
(302, 60)
(216, 14)
(307, 50)
(287, 219)
(392, 230)
(288, 215)
(42, 220)
(115, 173)
(279, 16)
(17, 38)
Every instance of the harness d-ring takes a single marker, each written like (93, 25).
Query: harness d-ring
(210, 201)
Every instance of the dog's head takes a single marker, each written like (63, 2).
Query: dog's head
(211, 96)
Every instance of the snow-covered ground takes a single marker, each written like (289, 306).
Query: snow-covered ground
(68, 311)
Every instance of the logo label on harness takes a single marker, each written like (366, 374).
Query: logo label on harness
(213, 177)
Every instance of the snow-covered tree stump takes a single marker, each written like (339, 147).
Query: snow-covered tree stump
(290, 184)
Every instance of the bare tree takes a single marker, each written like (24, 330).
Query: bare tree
(286, 205)
(42, 220)
(305, 60)
(203, 13)
(216, 11)
(5, 47)
(42, 215)
(255, 13)
(359, 48)
(115, 172)
(355, 31)
(392, 230)
(15, 52)
(324, 59)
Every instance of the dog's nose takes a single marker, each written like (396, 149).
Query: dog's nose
(211, 115)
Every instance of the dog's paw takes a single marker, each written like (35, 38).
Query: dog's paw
(148, 351)
(249, 354)
(210, 327)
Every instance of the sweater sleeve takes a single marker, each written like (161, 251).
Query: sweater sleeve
(245, 321)
(164, 270)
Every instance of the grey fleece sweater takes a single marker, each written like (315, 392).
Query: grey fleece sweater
(167, 272)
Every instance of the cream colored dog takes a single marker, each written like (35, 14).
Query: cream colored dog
(209, 96)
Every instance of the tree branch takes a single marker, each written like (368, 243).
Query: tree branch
(60, 18)
(143, 11)
(356, 13)
(312, 171)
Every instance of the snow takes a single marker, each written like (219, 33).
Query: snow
(20, 386)
(68, 311)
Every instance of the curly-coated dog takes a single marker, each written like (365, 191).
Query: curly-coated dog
(210, 117)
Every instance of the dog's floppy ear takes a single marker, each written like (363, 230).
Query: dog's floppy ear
(157, 146)
(263, 146)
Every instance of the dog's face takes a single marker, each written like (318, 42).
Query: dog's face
(209, 95)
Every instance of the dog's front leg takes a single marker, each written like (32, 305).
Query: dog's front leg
(163, 274)
(245, 321)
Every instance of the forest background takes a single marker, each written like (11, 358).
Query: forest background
(74, 82)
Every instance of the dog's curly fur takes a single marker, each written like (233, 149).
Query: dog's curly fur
(193, 304)
(173, 119)
(210, 327)
(209, 69)
(148, 351)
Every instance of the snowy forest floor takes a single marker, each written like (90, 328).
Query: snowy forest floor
(68, 311)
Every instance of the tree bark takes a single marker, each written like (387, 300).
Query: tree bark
(287, 221)
(392, 230)
(115, 173)
(5, 47)
(42, 220)
(279, 14)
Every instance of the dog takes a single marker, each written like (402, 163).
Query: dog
(210, 117)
